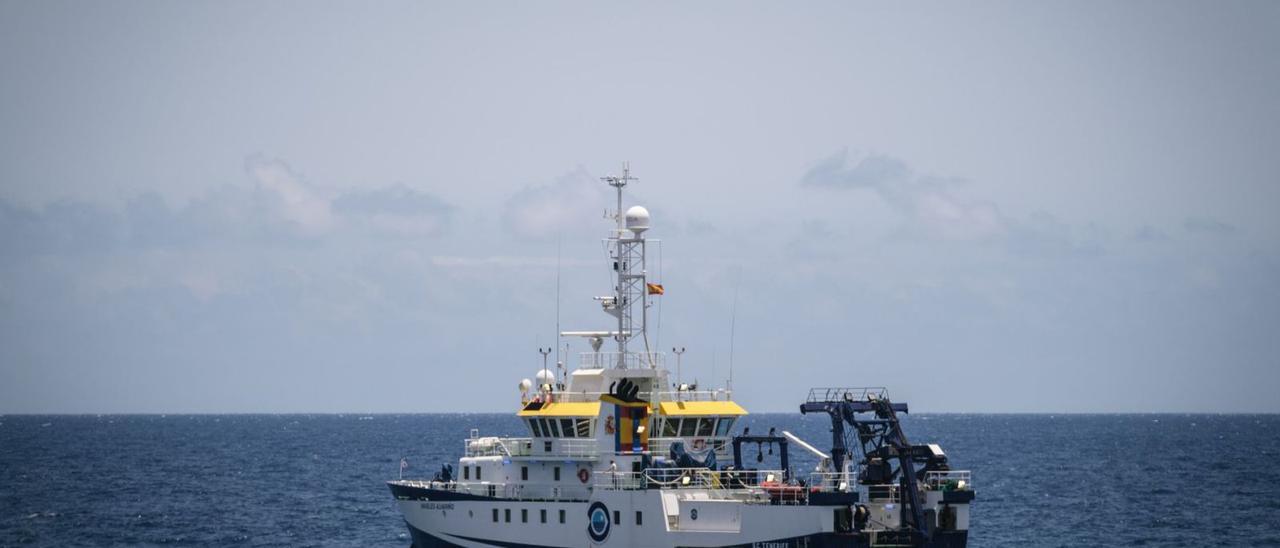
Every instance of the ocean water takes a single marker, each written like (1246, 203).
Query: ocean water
(268, 480)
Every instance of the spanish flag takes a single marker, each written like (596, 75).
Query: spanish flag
(654, 289)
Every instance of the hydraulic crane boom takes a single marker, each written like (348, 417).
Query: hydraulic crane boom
(880, 437)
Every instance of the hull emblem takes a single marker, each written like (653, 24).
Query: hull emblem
(598, 521)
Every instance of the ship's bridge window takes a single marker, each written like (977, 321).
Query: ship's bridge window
(706, 426)
(670, 428)
(724, 426)
(702, 427)
(701, 419)
(561, 419)
(688, 427)
(568, 428)
(562, 428)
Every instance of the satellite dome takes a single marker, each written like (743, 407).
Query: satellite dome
(525, 385)
(545, 376)
(637, 219)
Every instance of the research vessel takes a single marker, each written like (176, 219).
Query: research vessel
(619, 454)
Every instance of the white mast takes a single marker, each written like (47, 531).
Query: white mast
(627, 252)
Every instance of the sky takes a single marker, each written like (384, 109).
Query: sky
(1055, 207)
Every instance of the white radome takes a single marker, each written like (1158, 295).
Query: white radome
(637, 219)
(525, 385)
(545, 376)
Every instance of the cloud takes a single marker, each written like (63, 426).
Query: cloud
(931, 206)
(395, 210)
(571, 203)
(1200, 225)
(872, 171)
(1043, 234)
(62, 226)
(1148, 233)
(293, 199)
(697, 227)
(280, 207)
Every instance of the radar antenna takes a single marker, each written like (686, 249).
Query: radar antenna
(627, 251)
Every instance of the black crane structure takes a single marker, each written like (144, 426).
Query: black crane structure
(880, 442)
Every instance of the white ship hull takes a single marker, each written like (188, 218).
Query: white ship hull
(691, 518)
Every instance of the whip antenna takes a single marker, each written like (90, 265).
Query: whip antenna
(557, 300)
(733, 322)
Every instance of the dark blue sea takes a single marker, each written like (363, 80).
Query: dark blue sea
(272, 480)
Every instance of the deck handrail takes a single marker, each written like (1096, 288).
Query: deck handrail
(628, 360)
(866, 393)
(722, 394)
(948, 480)
(520, 490)
(832, 481)
(685, 478)
(526, 447)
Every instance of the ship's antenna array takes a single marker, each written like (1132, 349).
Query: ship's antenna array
(733, 323)
(619, 183)
(679, 352)
(628, 256)
(657, 338)
(544, 352)
(560, 368)
(557, 301)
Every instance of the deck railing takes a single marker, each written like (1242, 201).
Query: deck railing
(832, 481)
(661, 447)
(656, 397)
(950, 480)
(847, 394)
(583, 396)
(686, 478)
(694, 395)
(486, 447)
(524, 490)
(577, 448)
(625, 360)
(883, 493)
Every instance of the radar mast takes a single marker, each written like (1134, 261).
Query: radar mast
(627, 251)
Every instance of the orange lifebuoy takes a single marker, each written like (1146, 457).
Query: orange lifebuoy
(583, 475)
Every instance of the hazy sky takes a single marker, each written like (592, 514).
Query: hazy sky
(321, 206)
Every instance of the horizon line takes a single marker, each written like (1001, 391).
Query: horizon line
(400, 413)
